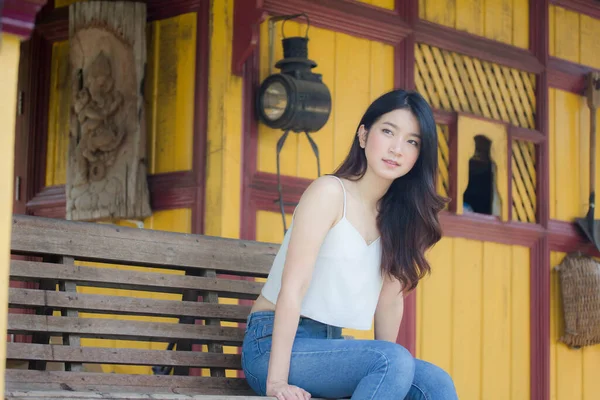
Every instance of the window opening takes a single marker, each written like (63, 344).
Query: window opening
(481, 195)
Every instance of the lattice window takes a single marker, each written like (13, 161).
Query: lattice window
(443, 183)
(454, 82)
(523, 166)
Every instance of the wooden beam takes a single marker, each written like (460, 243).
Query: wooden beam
(18, 16)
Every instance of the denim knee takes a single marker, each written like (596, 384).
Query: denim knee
(397, 360)
(433, 382)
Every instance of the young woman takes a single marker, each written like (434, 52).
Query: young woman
(355, 246)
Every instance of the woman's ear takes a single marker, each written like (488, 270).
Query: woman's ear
(362, 136)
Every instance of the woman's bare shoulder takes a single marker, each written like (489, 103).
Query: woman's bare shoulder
(325, 188)
(323, 197)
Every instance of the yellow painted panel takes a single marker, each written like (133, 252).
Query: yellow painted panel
(520, 26)
(473, 317)
(552, 30)
(566, 34)
(10, 46)
(467, 312)
(569, 132)
(353, 85)
(496, 326)
(589, 43)
(435, 316)
(58, 115)
(441, 12)
(224, 133)
(499, 20)
(506, 21)
(520, 323)
(389, 4)
(170, 93)
(574, 37)
(573, 373)
(470, 16)
(320, 49)
(352, 95)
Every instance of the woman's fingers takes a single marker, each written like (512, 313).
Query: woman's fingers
(292, 393)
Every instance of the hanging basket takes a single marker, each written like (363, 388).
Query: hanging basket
(579, 279)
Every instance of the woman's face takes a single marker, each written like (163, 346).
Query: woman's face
(392, 145)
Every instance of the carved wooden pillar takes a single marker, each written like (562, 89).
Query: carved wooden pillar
(106, 173)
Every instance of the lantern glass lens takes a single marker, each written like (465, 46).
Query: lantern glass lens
(275, 101)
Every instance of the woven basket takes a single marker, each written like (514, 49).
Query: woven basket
(580, 288)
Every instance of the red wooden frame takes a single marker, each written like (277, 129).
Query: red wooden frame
(18, 16)
(168, 190)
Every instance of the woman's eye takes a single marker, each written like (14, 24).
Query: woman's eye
(387, 131)
(414, 142)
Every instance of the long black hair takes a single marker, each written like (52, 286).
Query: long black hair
(408, 212)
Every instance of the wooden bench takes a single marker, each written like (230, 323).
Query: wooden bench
(69, 261)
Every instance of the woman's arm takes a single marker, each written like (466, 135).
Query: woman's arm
(319, 208)
(390, 309)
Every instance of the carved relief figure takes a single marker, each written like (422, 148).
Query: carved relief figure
(95, 107)
(106, 173)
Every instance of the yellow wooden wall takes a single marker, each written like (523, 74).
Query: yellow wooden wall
(574, 37)
(473, 317)
(506, 21)
(569, 156)
(10, 47)
(573, 373)
(355, 70)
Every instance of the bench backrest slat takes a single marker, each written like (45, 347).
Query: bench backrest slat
(116, 244)
(97, 355)
(123, 305)
(132, 280)
(102, 328)
(122, 383)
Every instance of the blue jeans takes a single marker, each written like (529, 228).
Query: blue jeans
(326, 365)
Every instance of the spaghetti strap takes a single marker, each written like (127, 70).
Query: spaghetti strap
(344, 190)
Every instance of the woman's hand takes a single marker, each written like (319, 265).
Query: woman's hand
(285, 391)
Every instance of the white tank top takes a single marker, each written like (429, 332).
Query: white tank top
(346, 281)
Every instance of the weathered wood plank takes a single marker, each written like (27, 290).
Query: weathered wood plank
(133, 280)
(116, 244)
(17, 379)
(212, 297)
(100, 355)
(21, 395)
(122, 329)
(93, 303)
(70, 340)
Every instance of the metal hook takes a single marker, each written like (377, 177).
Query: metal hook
(288, 17)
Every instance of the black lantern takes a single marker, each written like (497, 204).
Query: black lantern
(296, 99)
